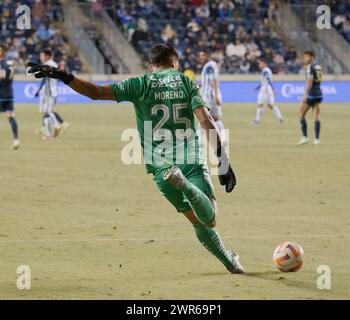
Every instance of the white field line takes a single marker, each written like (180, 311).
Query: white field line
(281, 238)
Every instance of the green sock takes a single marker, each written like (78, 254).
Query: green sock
(200, 203)
(211, 240)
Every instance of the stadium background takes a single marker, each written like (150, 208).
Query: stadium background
(108, 37)
(72, 211)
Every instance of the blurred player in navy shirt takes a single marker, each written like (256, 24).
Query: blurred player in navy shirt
(6, 94)
(312, 98)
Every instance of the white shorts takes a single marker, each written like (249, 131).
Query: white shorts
(266, 98)
(46, 103)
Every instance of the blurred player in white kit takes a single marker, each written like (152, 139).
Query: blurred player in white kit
(210, 91)
(47, 92)
(266, 95)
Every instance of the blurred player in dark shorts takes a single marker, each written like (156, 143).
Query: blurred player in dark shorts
(6, 94)
(312, 98)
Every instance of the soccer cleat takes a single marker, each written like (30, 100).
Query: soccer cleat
(16, 144)
(255, 122)
(175, 177)
(280, 121)
(64, 127)
(303, 140)
(236, 268)
(316, 142)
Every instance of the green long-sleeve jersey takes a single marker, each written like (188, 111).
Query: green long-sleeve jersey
(164, 103)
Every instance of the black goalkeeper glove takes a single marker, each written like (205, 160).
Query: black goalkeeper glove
(42, 71)
(227, 177)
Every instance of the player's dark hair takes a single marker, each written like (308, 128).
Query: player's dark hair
(261, 60)
(47, 52)
(162, 55)
(310, 53)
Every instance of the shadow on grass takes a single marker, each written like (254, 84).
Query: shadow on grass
(263, 274)
(289, 279)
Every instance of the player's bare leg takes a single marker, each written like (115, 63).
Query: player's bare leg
(259, 113)
(64, 124)
(14, 127)
(303, 124)
(316, 116)
(277, 112)
(203, 219)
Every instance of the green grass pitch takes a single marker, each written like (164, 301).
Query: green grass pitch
(91, 227)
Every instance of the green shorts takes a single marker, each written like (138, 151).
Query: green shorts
(195, 173)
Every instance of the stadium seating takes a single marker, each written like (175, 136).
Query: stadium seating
(220, 26)
(25, 45)
(340, 13)
(341, 18)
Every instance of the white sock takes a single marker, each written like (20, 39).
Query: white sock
(47, 125)
(277, 112)
(54, 119)
(221, 129)
(259, 113)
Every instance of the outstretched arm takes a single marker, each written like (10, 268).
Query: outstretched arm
(86, 88)
(92, 90)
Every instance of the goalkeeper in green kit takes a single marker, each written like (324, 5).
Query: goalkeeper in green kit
(166, 103)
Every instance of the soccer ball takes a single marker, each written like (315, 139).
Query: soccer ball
(288, 257)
